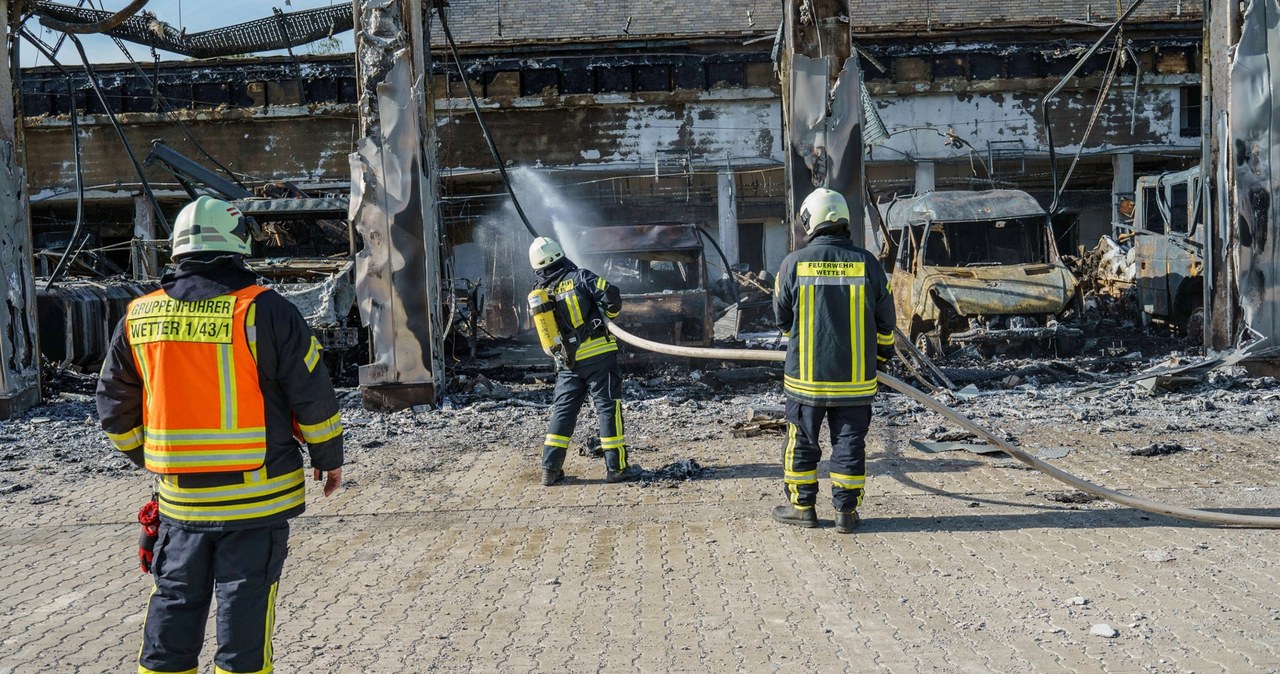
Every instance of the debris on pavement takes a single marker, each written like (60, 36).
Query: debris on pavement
(679, 471)
(1072, 496)
(760, 421)
(1104, 630)
(1158, 556)
(1163, 448)
(935, 447)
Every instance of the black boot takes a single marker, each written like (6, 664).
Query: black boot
(847, 522)
(631, 472)
(801, 517)
(550, 477)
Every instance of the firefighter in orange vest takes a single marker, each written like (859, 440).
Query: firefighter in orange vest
(206, 384)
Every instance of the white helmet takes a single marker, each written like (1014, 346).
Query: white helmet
(823, 210)
(543, 252)
(209, 224)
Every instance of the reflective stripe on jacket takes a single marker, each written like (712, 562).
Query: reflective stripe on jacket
(188, 427)
(833, 301)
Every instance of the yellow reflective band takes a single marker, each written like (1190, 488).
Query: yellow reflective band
(227, 381)
(611, 314)
(242, 511)
(251, 330)
(860, 344)
(312, 359)
(842, 480)
(128, 440)
(594, 347)
(884, 339)
(830, 385)
(563, 444)
(140, 359)
(575, 310)
(213, 458)
(612, 445)
(838, 269)
(855, 333)
(203, 436)
(601, 283)
(325, 430)
(789, 452)
(802, 337)
(268, 650)
(170, 489)
(806, 477)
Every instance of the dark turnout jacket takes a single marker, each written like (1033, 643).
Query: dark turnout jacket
(297, 394)
(832, 299)
(582, 300)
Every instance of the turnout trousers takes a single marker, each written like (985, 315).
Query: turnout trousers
(848, 462)
(601, 377)
(242, 569)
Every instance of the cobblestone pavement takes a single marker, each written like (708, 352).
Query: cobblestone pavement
(450, 557)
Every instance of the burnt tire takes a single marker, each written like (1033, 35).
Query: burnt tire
(930, 344)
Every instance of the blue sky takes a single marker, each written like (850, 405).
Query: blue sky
(194, 15)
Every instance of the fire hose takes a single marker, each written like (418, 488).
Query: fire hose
(1135, 502)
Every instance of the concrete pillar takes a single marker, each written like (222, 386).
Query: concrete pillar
(1121, 181)
(19, 345)
(393, 206)
(924, 177)
(1222, 32)
(727, 189)
(145, 264)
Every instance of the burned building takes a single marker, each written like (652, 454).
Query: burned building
(632, 114)
(962, 90)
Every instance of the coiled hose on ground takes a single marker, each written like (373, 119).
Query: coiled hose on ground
(1135, 502)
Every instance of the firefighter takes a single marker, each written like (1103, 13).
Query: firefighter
(209, 384)
(832, 300)
(587, 355)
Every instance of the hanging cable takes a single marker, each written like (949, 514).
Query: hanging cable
(67, 256)
(102, 98)
(1113, 67)
(1044, 102)
(475, 105)
(733, 282)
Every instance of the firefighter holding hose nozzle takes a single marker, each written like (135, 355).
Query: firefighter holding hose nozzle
(832, 300)
(569, 307)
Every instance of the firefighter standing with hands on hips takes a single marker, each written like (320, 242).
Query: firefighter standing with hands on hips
(569, 307)
(206, 383)
(832, 300)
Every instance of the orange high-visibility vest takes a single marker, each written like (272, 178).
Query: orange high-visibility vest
(203, 410)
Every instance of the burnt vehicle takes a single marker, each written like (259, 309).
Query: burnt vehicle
(1164, 225)
(978, 268)
(661, 270)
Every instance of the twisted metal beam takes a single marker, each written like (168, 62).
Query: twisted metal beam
(100, 26)
(263, 34)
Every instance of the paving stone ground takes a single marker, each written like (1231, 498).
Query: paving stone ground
(450, 557)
